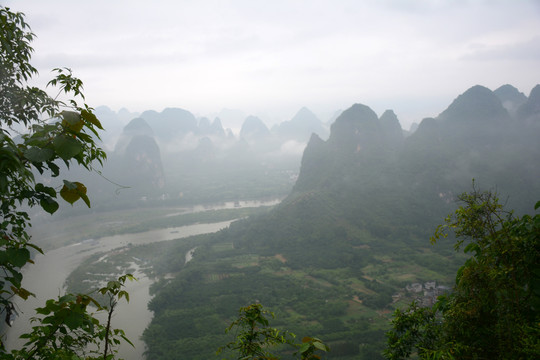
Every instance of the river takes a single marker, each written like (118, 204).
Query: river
(46, 279)
(47, 276)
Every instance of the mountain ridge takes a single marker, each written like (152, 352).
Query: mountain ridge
(336, 256)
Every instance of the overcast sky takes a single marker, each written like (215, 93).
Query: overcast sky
(270, 58)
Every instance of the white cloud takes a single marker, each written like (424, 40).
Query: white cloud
(519, 52)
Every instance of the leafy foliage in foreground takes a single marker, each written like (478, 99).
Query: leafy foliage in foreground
(57, 132)
(54, 133)
(493, 312)
(254, 336)
(66, 329)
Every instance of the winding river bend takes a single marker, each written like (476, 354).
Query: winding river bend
(47, 276)
(46, 279)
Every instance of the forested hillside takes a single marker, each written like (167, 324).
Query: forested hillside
(337, 255)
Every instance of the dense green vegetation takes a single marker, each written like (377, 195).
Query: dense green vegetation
(347, 305)
(493, 310)
(341, 305)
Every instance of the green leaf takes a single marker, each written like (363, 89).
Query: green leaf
(459, 274)
(70, 184)
(35, 247)
(472, 247)
(66, 147)
(73, 320)
(127, 340)
(91, 118)
(85, 198)
(124, 294)
(49, 205)
(71, 117)
(73, 191)
(3, 257)
(43, 311)
(305, 347)
(15, 279)
(18, 257)
(46, 189)
(319, 345)
(72, 121)
(67, 298)
(38, 155)
(537, 205)
(22, 292)
(55, 170)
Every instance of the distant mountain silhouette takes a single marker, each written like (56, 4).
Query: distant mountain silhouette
(301, 126)
(136, 160)
(413, 128)
(356, 130)
(205, 128)
(143, 159)
(204, 125)
(357, 137)
(479, 105)
(392, 128)
(254, 129)
(216, 128)
(205, 151)
(530, 110)
(114, 123)
(171, 122)
(136, 127)
(510, 97)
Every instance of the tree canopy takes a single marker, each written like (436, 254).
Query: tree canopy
(493, 310)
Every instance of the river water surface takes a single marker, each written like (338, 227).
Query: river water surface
(47, 276)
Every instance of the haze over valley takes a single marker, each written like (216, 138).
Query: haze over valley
(339, 164)
(349, 240)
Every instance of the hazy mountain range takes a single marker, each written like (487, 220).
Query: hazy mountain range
(175, 129)
(335, 255)
(352, 234)
(172, 154)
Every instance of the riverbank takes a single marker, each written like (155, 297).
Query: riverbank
(52, 232)
(47, 276)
